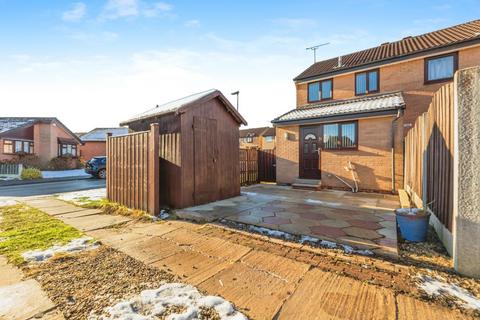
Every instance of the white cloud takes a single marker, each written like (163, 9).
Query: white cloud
(115, 9)
(76, 13)
(192, 23)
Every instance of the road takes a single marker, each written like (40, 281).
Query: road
(50, 187)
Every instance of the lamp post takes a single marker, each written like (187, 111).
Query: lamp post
(236, 93)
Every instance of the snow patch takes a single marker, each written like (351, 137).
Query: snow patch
(438, 286)
(324, 203)
(65, 174)
(271, 232)
(7, 202)
(79, 197)
(334, 245)
(76, 245)
(151, 304)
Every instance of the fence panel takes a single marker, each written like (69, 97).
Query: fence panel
(248, 166)
(133, 170)
(267, 165)
(429, 157)
(10, 168)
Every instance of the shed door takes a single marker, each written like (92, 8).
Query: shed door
(205, 159)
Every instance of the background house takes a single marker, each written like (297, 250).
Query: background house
(261, 138)
(94, 142)
(46, 138)
(348, 108)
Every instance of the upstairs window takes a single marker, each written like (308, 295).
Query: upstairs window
(320, 90)
(340, 136)
(440, 68)
(269, 138)
(366, 82)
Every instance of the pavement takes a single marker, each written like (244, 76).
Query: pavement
(50, 187)
(361, 220)
(264, 284)
(23, 299)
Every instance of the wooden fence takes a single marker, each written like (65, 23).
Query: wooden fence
(267, 165)
(248, 166)
(429, 157)
(133, 170)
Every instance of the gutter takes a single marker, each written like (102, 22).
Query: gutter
(399, 114)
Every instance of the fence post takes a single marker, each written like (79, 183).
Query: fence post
(154, 170)
(466, 177)
(109, 165)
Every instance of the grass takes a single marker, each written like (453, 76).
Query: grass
(23, 228)
(109, 207)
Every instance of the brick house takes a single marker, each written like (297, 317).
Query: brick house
(261, 138)
(45, 138)
(353, 111)
(94, 142)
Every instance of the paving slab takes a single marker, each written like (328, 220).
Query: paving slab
(67, 208)
(9, 274)
(257, 293)
(78, 213)
(150, 249)
(324, 295)
(413, 309)
(23, 300)
(95, 222)
(192, 267)
(153, 229)
(284, 268)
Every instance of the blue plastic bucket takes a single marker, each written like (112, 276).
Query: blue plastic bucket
(413, 227)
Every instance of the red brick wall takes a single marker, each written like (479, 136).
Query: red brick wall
(406, 76)
(372, 160)
(93, 149)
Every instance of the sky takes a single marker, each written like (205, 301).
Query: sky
(97, 63)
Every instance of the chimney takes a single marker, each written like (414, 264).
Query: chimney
(339, 63)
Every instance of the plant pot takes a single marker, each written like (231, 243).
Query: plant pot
(413, 227)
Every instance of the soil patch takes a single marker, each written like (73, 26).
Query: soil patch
(91, 281)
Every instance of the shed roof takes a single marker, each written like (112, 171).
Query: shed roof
(8, 124)
(186, 102)
(408, 46)
(371, 104)
(100, 134)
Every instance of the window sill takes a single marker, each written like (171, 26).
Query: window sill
(427, 82)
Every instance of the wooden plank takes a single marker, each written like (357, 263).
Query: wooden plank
(153, 170)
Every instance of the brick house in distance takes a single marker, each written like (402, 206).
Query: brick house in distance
(47, 138)
(94, 142)
(261, 138)
(353, 111)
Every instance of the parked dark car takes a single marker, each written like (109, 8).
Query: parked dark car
(97, 167)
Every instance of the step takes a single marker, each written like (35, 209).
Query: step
(308, 184)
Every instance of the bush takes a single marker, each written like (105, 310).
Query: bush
(29, 161)
(31, 173)
(64, 163)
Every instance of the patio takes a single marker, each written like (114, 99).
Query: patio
(360, 220)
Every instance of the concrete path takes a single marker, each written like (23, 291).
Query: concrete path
(262, 284)
(23, 299)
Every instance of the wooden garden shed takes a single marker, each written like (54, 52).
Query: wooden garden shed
(199, 148)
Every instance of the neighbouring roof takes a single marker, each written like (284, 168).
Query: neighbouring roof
(252, 132)
(269, 132)
(372, 104)
(185, 102)
(100, 134)
(8, 124)
(466, 32)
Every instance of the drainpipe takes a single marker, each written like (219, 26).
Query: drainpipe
(399, 114)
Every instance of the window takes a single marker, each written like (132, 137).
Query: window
(340, 136)
(366, 82)
(67, 150)
(17, 146)
(269, 138)
(440, 68)
(321, 90)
